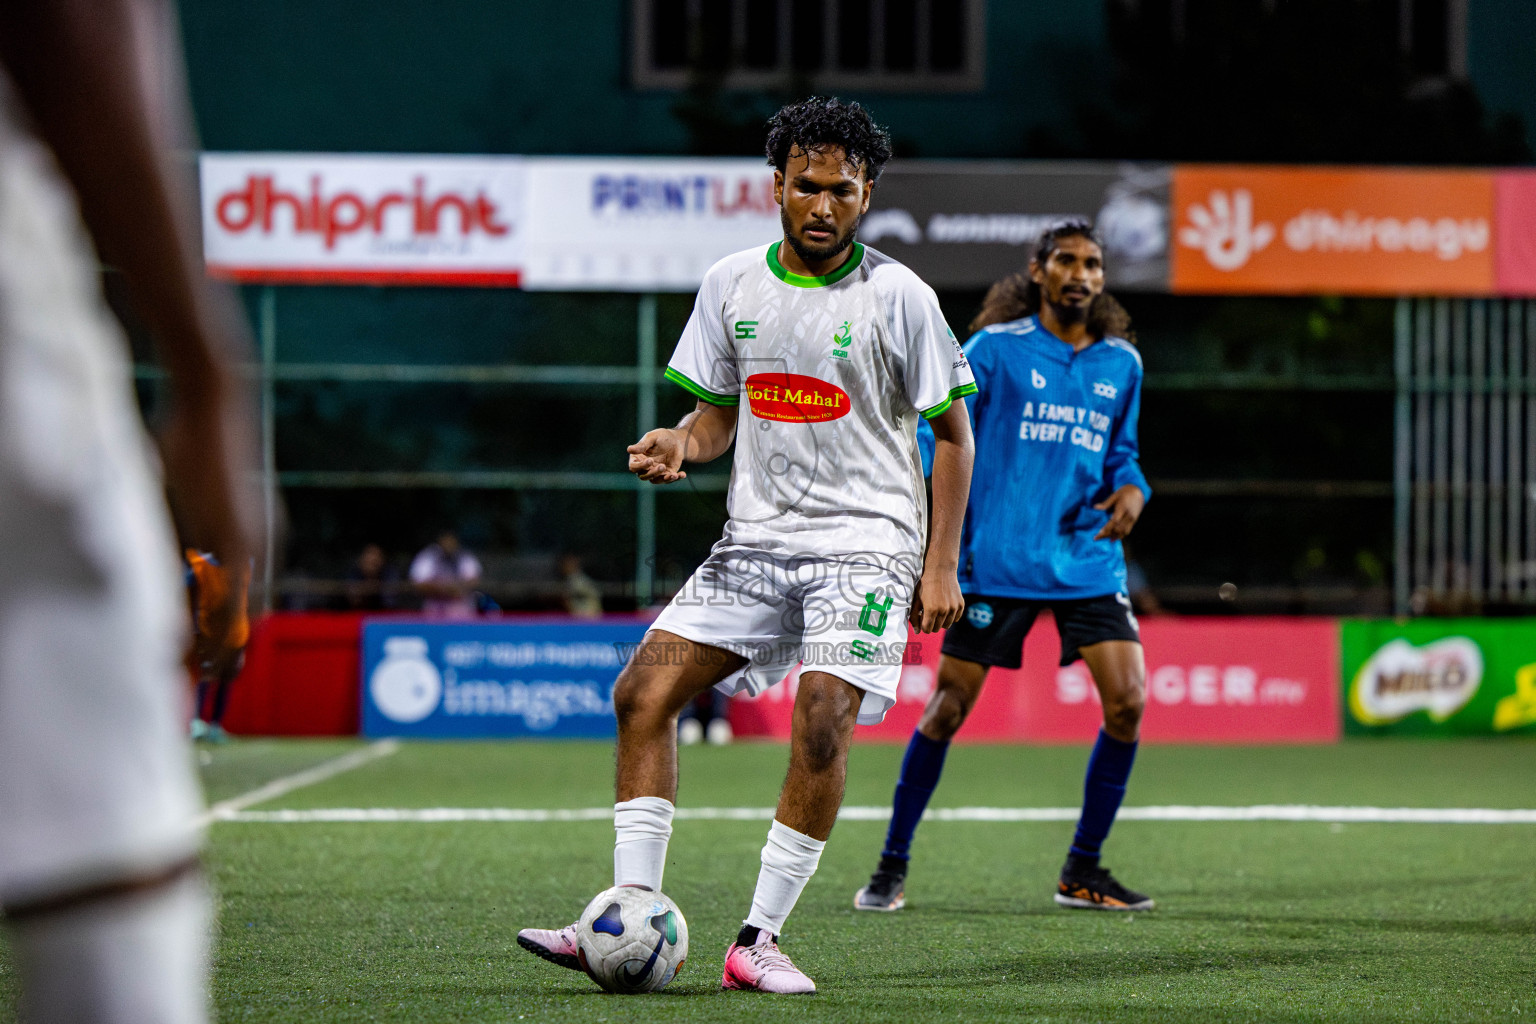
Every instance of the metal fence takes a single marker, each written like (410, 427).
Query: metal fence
(1465, 471)
(1464, 482)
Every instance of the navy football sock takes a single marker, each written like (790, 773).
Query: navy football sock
(220, 700)
(919, 775)
(1109, 766)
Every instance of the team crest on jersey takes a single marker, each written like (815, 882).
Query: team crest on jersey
(841, 339)
(795, 398)
(1104, 389)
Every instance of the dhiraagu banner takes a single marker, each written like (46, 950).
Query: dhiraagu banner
(1462, 677)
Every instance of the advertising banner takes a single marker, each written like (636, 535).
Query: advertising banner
(637, 224)
(1287, 230)
(1209, 680)
(1440, 677)
(490, 679)
(1514, 196)
(657, 224)
(324, 219)
(961, 224)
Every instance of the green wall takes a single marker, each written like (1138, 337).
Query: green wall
(492, 76)
(1501, 58)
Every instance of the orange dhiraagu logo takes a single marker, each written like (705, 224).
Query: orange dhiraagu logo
(793, 398)
(1360, 231)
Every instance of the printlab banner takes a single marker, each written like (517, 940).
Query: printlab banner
(314, 218)
(1209, 680)
(492, 679)
(633, 224)
(1440, 677)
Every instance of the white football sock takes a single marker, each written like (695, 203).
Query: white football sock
(789, 861)
(641, 829)
(121, 960)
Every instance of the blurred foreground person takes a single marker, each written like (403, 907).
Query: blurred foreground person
(818, 357)
(1058, 486)
(215, 657)
(99, 881)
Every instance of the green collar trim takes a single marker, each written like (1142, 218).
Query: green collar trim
(801, 281)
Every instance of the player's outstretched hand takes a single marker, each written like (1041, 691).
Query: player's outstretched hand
(1124, 508)
(657, 457)
(938, 603)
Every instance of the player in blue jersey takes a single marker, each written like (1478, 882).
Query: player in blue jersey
(1056, 488)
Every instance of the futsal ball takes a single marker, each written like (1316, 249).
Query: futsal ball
(631, 940)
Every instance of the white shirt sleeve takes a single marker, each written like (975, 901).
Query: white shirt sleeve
(935, 368)
(423, 566)
(705, 359)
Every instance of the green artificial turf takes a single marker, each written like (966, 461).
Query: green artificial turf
(1257, 921)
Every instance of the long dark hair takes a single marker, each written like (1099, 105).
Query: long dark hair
(1016, 296)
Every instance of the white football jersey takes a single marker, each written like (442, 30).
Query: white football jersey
(831, 374)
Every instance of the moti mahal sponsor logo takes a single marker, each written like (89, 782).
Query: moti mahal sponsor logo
(793, 398)
(1399, 679)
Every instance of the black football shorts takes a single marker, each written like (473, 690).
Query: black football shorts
(993, 629)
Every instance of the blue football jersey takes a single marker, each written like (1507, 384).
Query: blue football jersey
(1055, 434)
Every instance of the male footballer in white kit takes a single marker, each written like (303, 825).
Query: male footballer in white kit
(101, 895)
(833, 351)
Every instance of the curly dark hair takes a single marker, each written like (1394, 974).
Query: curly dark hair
(825, 122)
(1016, 296)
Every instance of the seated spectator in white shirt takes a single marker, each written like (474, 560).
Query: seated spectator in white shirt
(445, 575)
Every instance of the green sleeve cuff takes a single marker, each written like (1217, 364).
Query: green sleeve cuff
(713, 398)
(959, 392)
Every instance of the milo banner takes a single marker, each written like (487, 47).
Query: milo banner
(1463, 677)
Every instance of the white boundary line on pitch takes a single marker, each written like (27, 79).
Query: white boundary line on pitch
(228, 810)
(1261, 812)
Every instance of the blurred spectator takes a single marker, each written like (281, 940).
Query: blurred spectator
(444, 574)
(578, 591)
(372, 583)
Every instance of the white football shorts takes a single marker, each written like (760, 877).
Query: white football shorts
(843, 617)
(96, 781)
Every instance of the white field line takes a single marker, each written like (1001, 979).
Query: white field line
(1262, 812)
(228, 810)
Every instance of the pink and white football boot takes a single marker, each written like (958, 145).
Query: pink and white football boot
(760, 967)
(558, 946)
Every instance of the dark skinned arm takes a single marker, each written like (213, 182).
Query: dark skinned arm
(938, 603)
(83, 69)
(700, 436)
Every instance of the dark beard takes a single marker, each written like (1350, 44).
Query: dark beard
(809, 255)
(1068, 315)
